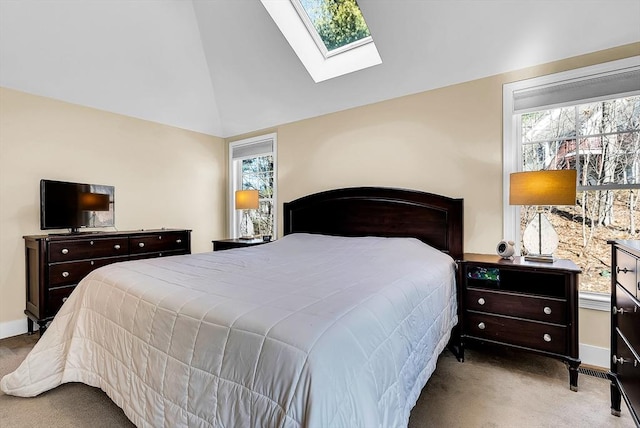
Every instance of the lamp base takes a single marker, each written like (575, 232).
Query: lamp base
(545, 258)
(247, 237)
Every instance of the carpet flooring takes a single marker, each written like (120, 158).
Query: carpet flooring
(493, 388)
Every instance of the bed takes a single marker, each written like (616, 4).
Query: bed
(338, 323)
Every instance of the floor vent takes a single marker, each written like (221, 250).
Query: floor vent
(592, 372)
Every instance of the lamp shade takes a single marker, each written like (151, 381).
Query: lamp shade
(246, 199)
(552, 187)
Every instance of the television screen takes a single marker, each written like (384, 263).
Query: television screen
(65, 205)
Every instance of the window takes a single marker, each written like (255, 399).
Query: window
(252, 166)
(587, 120)
(336, 26)
(330, 37)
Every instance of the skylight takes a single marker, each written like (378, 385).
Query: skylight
(330, 37)
(336, 26)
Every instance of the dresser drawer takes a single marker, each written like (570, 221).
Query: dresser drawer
(517, 305)
(63, 251)
(626, 272)
(628, 372)
(627, 317)
(159, 242)
(72, 272)
(56, 297)
(512, 331)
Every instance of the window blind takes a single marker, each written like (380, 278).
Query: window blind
(258, 148)
(615, 84)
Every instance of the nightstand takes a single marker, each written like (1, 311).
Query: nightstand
(227, 244)
(532, 306)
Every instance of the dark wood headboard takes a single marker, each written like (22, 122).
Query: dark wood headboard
(379, 211)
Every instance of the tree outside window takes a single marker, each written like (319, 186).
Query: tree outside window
(337, 22)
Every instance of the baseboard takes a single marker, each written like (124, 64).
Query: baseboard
(595, 356)
(13, 328)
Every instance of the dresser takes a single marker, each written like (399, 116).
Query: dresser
(625, 327)
(55, 263)
(532, 306)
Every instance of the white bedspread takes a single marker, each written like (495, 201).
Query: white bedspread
(310, 330)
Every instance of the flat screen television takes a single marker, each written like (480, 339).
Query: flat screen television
(73, 206)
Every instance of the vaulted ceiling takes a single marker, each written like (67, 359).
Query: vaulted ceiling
(222, 67)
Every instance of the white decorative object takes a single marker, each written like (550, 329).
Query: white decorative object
(506, 249)
(539, 236)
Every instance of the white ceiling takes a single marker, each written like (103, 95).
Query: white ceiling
(222, 67)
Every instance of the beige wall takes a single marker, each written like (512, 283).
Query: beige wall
(163, 176)
(595, 328)
(446, 141)
(442, 141)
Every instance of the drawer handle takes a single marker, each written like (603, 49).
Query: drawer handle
(547, 337)
(481, 326)
(617, 311)
(64, 251)
(620, 360)
(178, 241)
(481, 301)
(90, 242)
(623, 311)
(117, 246)
(65, 274)
(64, 299)
(141, 244)
(547, 310)
(623, 270)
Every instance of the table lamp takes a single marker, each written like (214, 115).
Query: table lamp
(542, 188)
(246, 200)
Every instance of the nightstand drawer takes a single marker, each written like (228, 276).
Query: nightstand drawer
(512, 331)
(627, 317)
(517, 305)
(626, 272)
(64, 251)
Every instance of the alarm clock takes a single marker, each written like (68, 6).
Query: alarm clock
(505, 249)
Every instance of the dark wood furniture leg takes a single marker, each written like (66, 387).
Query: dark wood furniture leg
(574, 365)
(616, 398)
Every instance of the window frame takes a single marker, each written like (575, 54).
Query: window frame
(235, 181)
(512, 149)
